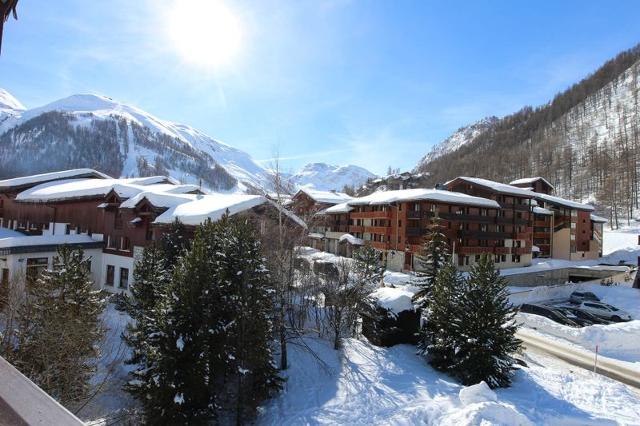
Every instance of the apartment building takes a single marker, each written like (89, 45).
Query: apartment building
(112, 219)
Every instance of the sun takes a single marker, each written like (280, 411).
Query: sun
(205, 33)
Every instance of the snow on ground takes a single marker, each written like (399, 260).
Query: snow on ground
(112, 372)
(623, 240)
(368, 385)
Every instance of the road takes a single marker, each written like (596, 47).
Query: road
(579, 357)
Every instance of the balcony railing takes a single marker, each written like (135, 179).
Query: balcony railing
(371, 215)
(383, 230)
(356, 228)
(378, 245)
(483, 235)
(454, 217)
(22, 402)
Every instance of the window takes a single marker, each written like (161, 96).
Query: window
(416, 207)
(111, 242)
(35, 266)
(124, 278)
(483, 212)
(4, 278)
(125, 244)
(515, 258)
(149, 233)
(111, 270)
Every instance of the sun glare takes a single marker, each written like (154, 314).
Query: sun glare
(204, 32)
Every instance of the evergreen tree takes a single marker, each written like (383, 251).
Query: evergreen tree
(367, 267)
(173, 243)
(485, 329)
(60, 328)
(214, 358)
(145, 307)
(433, 255)
(438, 337)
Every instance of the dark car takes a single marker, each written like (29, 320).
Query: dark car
(586, 316)
(583, 296)
(548, 312)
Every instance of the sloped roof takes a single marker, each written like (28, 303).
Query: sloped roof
(25, 181)
(526, 181)
(418, 194)
(501, 188)
(336, 209)
(326, 197)
(564, 202)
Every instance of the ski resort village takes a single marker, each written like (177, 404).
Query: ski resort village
(401, 227)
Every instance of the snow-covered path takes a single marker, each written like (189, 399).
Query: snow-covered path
(365, 385)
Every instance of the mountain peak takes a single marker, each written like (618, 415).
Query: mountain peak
(8, 101)
(326, 177)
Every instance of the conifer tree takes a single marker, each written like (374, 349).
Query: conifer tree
(60, 328)
(214, 358)
(433, 255)
(145, 307)
(438, 337)
(485, 331)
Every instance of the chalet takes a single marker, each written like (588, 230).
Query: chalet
(306, 202)
(112, 219)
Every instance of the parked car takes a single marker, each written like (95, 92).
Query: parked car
(603, 310)
(548, 312)
(582, 296)
(584, 315)
(582, 322)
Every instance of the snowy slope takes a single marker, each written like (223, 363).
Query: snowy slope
(459, 138)
(327, 177)
(368, 385)
(83, 110)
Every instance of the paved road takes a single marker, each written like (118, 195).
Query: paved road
(580, 358)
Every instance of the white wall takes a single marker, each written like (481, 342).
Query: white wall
(118, 262)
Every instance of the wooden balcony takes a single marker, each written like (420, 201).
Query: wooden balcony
(522, 236)
(355, 228)
(546, 235)
(416, 232)
(470, 250)
(382, 230)
(453, 217)
(542, 223)
(518, 207)
(483, 235)
(371, 215)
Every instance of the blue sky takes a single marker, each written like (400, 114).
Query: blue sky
(372, 83)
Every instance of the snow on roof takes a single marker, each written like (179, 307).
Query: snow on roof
(535, 249)
(564, 202)
(158, 199)
(316, 236)
(79, 188)
(45, 240)
(185, 189)
(351, 240)
(337, 209)
(529, 180)
(395, 299)
(214, 206)
(6, 233)
(328, 197)
(598, 219)
(540, 210)
(150, 180)
(47, 177)
(403, 195)
(502, 188)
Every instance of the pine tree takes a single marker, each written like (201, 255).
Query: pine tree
(60, 328)
(433, 255)
(145, 307)
(438, 337)
(214, 358)
(486, 330)
(367, 267)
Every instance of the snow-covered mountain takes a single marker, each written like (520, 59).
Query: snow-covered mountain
(326, 177)
(119, 139)
(459, 138)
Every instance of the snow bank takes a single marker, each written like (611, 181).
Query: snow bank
(394, 299)
(620, 341)
(480, 392)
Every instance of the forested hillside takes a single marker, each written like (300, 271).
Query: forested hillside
(586, 142)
